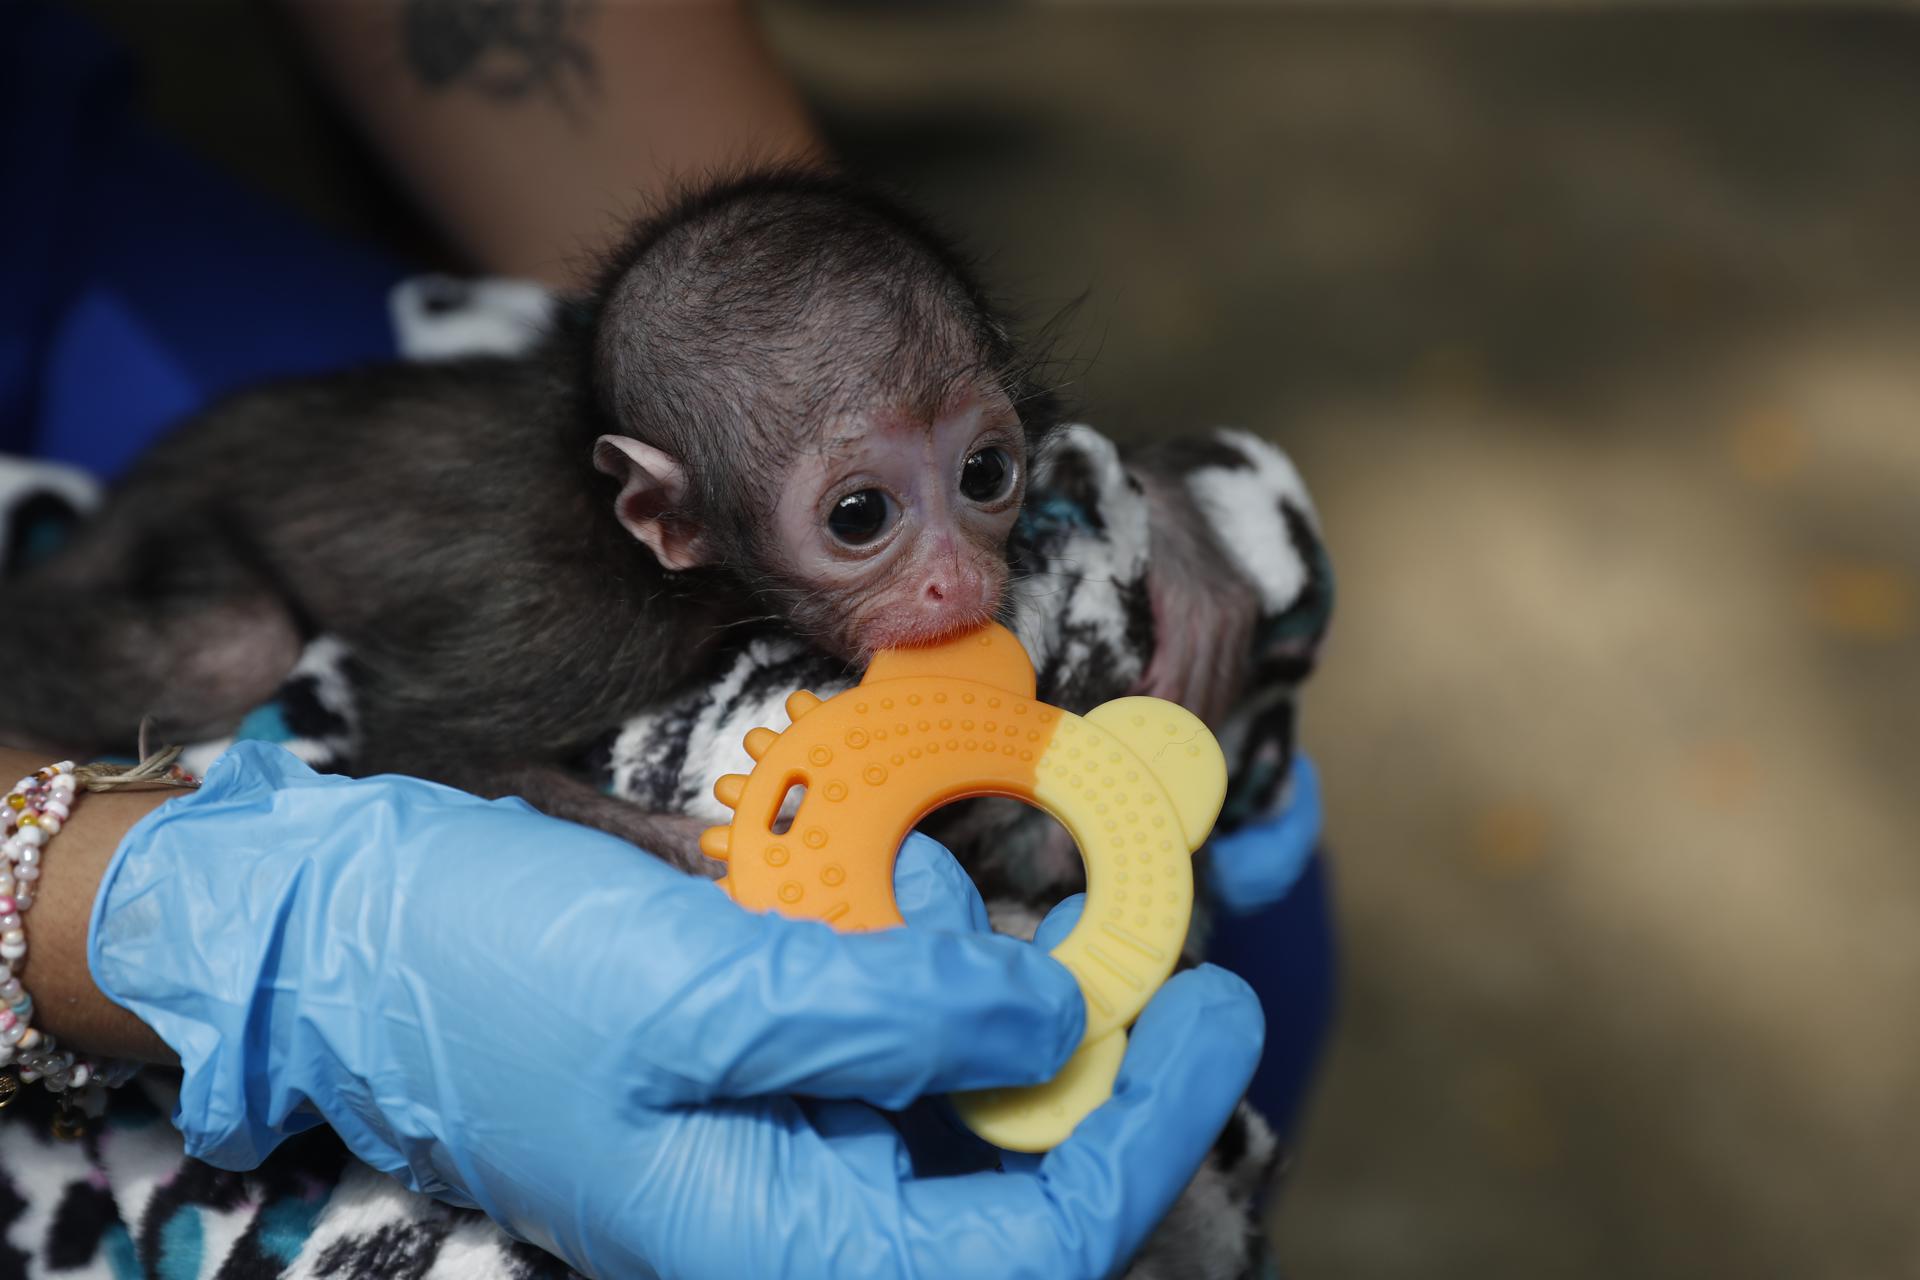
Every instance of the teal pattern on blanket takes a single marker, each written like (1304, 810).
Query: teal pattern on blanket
(266, 723)
(182, 1243)
(283, 1227)
(122, 1258)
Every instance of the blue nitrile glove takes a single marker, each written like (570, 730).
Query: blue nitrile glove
(1252, 868)
(532, 1017)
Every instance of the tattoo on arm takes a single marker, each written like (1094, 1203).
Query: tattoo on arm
(505, 49)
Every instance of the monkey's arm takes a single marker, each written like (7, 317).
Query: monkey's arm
(1204, 609)
(1238, 573)
(672, 837)
(528, 130)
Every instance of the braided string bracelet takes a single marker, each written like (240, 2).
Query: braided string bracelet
(30, 816)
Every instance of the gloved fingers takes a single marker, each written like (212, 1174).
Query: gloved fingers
(758, 1188)
(1254, 867)
(1301, 821)
(864, 1140)
(1094, 1198)
(1060, 921)
(938, 1144)
(933, 891)
(767, 1188)
(883, 1017)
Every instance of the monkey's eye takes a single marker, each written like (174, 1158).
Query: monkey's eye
(859, 518)
(986, 474)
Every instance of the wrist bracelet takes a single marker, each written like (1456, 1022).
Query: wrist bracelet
(30, 816)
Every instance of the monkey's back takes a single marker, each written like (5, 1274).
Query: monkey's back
(443, 520)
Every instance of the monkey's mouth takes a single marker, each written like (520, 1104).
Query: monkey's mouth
(913, 633)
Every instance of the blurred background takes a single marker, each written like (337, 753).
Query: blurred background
(1597, 336)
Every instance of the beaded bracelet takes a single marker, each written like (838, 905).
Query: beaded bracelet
(32, 814)
(35, 810)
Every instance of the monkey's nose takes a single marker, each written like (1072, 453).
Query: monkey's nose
(953, 593)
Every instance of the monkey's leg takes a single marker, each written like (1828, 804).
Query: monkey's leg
(124, 628)
(673, 837)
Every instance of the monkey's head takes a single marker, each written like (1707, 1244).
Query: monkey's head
(810, 391)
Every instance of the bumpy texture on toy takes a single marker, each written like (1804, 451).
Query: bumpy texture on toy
(1138, 783)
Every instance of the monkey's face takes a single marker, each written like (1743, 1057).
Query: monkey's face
(894, 531)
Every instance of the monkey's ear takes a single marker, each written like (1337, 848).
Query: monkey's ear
(652, 501)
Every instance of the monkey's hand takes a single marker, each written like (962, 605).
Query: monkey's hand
(1205, 612)
(616, 1062)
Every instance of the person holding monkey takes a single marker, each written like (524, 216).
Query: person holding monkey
(612, 1107)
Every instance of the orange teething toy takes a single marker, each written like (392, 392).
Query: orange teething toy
(1137, 782)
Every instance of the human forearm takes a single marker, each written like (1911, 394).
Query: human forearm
(66, 1001)
(530, 132)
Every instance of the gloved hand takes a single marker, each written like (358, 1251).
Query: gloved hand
(512, 1012)
(1253, 867)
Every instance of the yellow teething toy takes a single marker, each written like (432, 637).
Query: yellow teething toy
(1137, 782)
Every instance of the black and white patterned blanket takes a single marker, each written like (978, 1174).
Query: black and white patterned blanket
(127, 1202)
